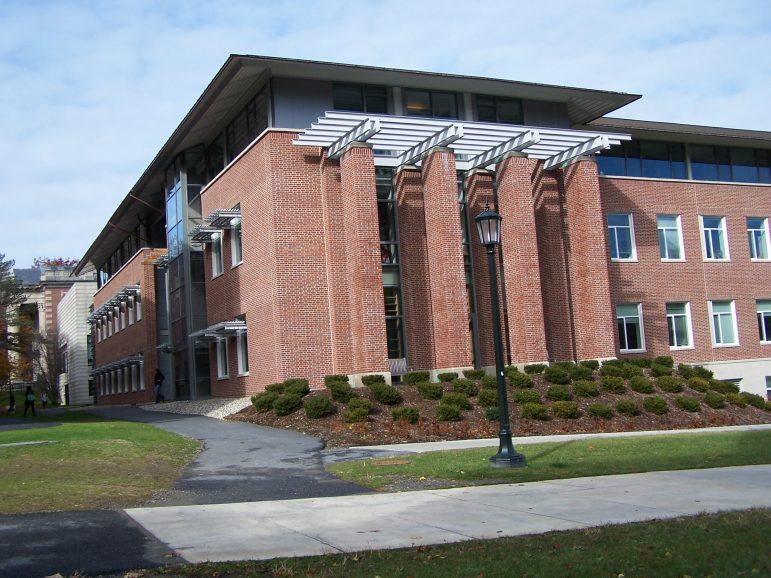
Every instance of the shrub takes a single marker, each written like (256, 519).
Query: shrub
(627, 407)
(465, 386)
(754, 400)
(611, 370)
(641, 384)
(556, 374)
(590, 363)
(736, 399)
(688, 403)
(559, 393)
(581, 372)
(565, 409)
(657, 370)
(641, 362)
(685, 371)
(631, 370)
(275, 388)
(723, 386)
(521, 380)
(341, 391)
(488, 397)
(360, 403)
(613, 384)
(297, 386)
(447, 412)
(358, 410)
(337, 378)
(535, 411)
(263, 402)
(372, 379)
(527, 396)
(665, 360)
(714, 400)
(600, 410)
(656, 404)
(428, 390)
(492, 413)
(473, 373)
(670, 384)
(534, 368)
(386, 394)
(318, 406)
(698, 383)
(489, 381)
(414, 377)
(408, 414)
(566, 365)
(456, 398)
(703, 372)
(584, 388)
(287, 403)
(446, 377)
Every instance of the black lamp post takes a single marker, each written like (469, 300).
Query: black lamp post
(489, 228)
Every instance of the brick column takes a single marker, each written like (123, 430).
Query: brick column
(446, 276)
(521, 266)
(587, 261)
(367, 318)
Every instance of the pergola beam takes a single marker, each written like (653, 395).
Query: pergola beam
(587, 147)
(360, 133)
(438, 139)
(516, 144)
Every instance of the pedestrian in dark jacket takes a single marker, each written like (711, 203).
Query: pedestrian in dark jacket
(29, 401)
(159, 377)
(11, 402)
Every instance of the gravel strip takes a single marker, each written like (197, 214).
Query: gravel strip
(219, 408)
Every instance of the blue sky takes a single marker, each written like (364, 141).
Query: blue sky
(91, 90)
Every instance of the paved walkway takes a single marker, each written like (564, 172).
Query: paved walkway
(263, 530)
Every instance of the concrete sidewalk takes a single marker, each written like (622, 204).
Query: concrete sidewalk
(264, 530)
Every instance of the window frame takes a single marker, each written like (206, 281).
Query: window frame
(679, 220)
(633, 257)
(642, 348)
(242, 355)
(432, 105)
(236, 240)
(217, 261)
(765, 229)
(762, 314)
(221, 346)
(688, 322)
(712, 314)
(724, 231)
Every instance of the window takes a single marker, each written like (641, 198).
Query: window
(133, 377)
(630, 329)
(222, 358)
(757, 231)
(650, 159)
(670, 237)
(679, 325)
(122, 308)
(243, 354)
(216, 255)
(764, 320)
(109, 325)
(768, 387)
(499, 109)
(621, 230)
(138, 305)
(723, 323)
(713, 237)
(116, 319)
(130, 310)
(430, 103)
(360, 98)
(236, 250)
(141, 370)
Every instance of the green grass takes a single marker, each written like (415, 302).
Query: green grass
(92, 463)
(728, 544)
(571, 459)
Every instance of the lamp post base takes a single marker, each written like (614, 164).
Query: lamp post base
(507, 456)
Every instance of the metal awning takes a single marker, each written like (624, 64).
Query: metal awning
(203, 233)
(220, 330)
(162, 262)
(223, 218)
(124, 295)
(119, 364)
(402, 140)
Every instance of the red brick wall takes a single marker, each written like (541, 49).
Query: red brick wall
(654, 283)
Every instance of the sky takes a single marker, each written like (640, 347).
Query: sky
(91, 90)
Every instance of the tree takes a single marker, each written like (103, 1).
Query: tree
(12, 295)
(47, 362)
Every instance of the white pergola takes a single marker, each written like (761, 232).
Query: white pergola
(401, 140)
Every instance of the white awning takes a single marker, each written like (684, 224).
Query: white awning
(220, 330)
(223, 218)
(124, 295)
(401, 140)
(119, 364)
(204, 233)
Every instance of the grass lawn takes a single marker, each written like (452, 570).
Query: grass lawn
(571, 459)
(728, 544)
(92, 463)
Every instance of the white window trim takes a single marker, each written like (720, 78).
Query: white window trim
(642, 330)
(138, 306)
(689, 326)
(760, 311)
(233, 262)
(724, 229)
(217, 260)
(130, 307)
(240, 344)
(679, 237)
(715, 344)
(633, 258)
(220, 373)
(768, 241)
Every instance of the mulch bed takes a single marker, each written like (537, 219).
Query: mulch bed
(381, 429)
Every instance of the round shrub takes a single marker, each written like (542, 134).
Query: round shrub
(714, 400)
(600, 410)
(723, 386)
(473, 373)
(754, 400)
(337, 378)
(287, 403)
(585, 388)
(447, 377)
(341, 391)
(521, 380)
(566, 365)
(489, 381)
(630, 370)
(447, 412)
(360, 403)
(357, 411)
(685, 371)
(492, 413)
(297, 386)
(456, 398)
(565, 409)
(465, 386)
(534, 368)
(559, 393)
(318, 406)
(527, 396)
(627, 407)
(372, 379)
(698, 383)
(657, 370)
(669, 384)
(554, 374)
(428, 390)
(613, 384)
(688, 403)
(656, 404)
(263, 402)
(275, 388)
(414, 377)
(535, 411)
(408, 414)
(488, 398)
(641, 384)
(736, 399)
(665, 360)
(581, 372)
(700, 371)
(641, 362)
(386, 394)
(592, 364)
(611, 370)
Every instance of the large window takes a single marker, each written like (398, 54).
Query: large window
(222, 358)
(242, 352)
(498, 109)
(757, 231)
(713, 238)
(216, 255)
(430, 103)
(670, 237)
(631, 338)
(724, 332)
(389, 259)
(236, 248)
(764, 320)
(360, 98)
(650, 159)
(679, 325)
(621, 232)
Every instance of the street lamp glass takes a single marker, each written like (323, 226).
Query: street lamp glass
(489, 227)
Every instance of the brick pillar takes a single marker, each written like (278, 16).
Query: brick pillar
(446, 276)
(519, 247)
(367, 318)
(587, 260)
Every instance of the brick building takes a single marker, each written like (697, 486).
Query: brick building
(317, 218)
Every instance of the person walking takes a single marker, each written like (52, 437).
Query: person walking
(29, 401)
(44, 399)
(159, 378)
(11, 402)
